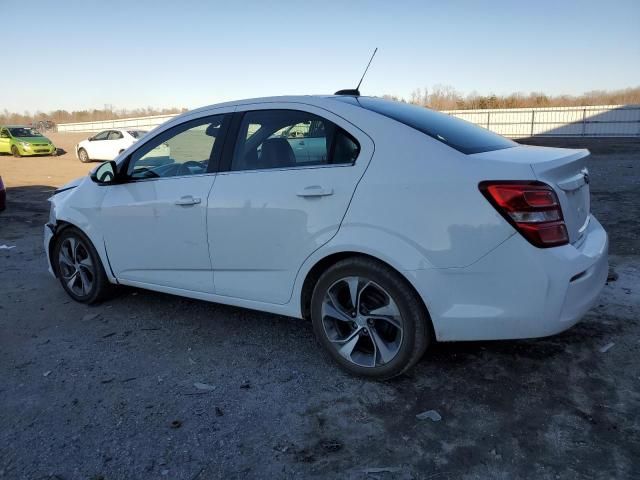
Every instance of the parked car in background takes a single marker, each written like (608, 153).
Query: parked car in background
(108, 144)
(3, 196)
(396, 226)
(20, 141)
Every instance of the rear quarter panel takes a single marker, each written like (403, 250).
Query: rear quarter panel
(419, 201)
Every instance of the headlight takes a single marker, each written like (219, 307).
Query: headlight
(25, 145)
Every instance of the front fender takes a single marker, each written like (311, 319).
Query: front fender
(74, 207)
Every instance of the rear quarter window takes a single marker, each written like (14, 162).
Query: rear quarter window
(454, 132)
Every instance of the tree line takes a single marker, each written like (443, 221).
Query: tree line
(64, 116)
(444, 97)
(439, 97)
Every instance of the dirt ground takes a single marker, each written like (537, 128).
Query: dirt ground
(108, 391)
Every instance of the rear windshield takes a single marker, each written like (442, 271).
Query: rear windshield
(454, 132)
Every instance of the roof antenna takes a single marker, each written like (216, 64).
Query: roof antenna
(356, 91)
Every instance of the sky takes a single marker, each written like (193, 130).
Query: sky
(73, 55)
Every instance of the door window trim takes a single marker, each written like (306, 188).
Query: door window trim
(234, 130)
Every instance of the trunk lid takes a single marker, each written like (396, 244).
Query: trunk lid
(564, 170)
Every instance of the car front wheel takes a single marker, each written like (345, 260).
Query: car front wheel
(83, 156)
(15, 152)
(369, 319)
(79, 267)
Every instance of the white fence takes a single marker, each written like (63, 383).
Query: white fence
(138, 123)
(600, 121)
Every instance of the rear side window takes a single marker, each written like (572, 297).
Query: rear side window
(136, 133)
(289, 138)
(115, 135)
(454, 132)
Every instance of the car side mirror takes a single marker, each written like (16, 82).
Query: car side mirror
(105, 174)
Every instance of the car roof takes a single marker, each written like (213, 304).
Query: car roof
(311, 99)
(123, 129)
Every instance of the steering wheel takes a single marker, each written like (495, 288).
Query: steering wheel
(193, 163)
(184, 169)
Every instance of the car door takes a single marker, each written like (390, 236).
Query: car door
(154, 223)
(96, 148)
(5, 141)
(268, 210)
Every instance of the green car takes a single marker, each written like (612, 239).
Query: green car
(20, 141)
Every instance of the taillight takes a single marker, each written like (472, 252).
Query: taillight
(531, 207)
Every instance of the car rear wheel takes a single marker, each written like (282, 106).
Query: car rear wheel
(79, 268)
(369, 319)
(15, 152)
(83, 155)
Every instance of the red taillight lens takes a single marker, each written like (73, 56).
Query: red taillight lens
(532, 208)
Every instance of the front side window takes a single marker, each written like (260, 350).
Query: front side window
(102, 135)
(187, 149)
(289, 138)
(136, 133)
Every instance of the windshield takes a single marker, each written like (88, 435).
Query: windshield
(21, 132)
(459, 134)
(137, 133)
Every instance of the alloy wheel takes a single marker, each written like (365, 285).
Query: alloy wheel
(362, 321)
(76, 267)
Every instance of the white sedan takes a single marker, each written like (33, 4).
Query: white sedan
(108, 144)
(394, 227)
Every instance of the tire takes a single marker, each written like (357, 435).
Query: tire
(15, 152)
(377, 348)
(83, 156)
(78, 267)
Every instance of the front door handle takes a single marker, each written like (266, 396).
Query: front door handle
(315, 191)
(188, 200)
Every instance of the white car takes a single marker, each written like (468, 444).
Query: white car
(411, 226)
(108, 144)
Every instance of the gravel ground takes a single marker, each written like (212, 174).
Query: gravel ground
(113, 391)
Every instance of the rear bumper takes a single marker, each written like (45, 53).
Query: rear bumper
(516, 291)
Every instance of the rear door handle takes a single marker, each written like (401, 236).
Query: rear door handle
(315, 191)
(188, 200)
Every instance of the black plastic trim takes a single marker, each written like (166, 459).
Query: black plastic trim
(230, 142)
